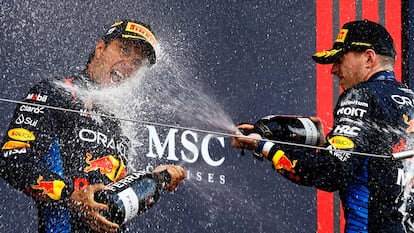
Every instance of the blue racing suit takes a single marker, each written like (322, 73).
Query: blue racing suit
(375, 117)
(48, 153)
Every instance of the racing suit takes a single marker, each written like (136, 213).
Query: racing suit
(374, 117)
(48, 153)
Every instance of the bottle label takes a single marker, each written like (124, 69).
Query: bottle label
(311, 131)
(131, 203)
(127, 181)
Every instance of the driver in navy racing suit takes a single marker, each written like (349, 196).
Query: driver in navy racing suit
(61, 158)
(373, 120)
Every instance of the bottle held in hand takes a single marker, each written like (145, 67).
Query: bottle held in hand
(287, 128)
(132, 196)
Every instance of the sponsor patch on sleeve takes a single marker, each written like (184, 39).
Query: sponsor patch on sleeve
(341, 142)
(21, 134)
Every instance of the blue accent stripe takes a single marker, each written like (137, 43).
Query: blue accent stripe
(357, 198)
(53, 159)
(56, 218)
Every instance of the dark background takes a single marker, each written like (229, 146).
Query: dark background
(252, 56)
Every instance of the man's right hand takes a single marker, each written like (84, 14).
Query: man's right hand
(242, 141)
(84, 204)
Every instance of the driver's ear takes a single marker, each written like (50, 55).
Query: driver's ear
(100, 47)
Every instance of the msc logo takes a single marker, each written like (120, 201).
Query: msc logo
(189, 141)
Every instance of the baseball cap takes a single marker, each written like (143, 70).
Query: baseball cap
(358, 36)
(136, 32)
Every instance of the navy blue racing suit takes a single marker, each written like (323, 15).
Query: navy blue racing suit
(374, 117)
(48, 153)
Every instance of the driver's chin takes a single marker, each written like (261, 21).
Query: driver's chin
(105, 81)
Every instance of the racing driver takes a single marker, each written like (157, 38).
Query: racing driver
(62, 158)
(366, 155)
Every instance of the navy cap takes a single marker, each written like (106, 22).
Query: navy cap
(358, 36)
(135, 32)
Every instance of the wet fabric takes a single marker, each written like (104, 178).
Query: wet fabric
(48, 153)
(374, 117)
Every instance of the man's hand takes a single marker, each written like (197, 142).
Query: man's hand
(319, 124)
(242, 141)
(83, 202)
(177, 174)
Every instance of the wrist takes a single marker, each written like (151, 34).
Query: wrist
(263, 147)
(259, 147)
(163, 177)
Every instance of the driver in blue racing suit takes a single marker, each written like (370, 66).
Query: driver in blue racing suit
(373, 120)
(62, 158)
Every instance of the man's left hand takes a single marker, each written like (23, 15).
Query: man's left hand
(177, 173)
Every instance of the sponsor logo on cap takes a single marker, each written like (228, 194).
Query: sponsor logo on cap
(113, 27)
(341, 35)
(116, 24)
(142, 32)
(328, 53)
(361, 44)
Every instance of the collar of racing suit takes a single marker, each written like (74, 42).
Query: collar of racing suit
(86, 80)
(385, 75)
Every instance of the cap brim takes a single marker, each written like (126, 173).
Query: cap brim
(328, 57)
(142, 41)
(136, 38)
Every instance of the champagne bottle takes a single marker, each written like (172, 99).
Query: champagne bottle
(132, 196)
(287, 128)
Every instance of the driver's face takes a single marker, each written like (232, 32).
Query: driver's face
(115, 62)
